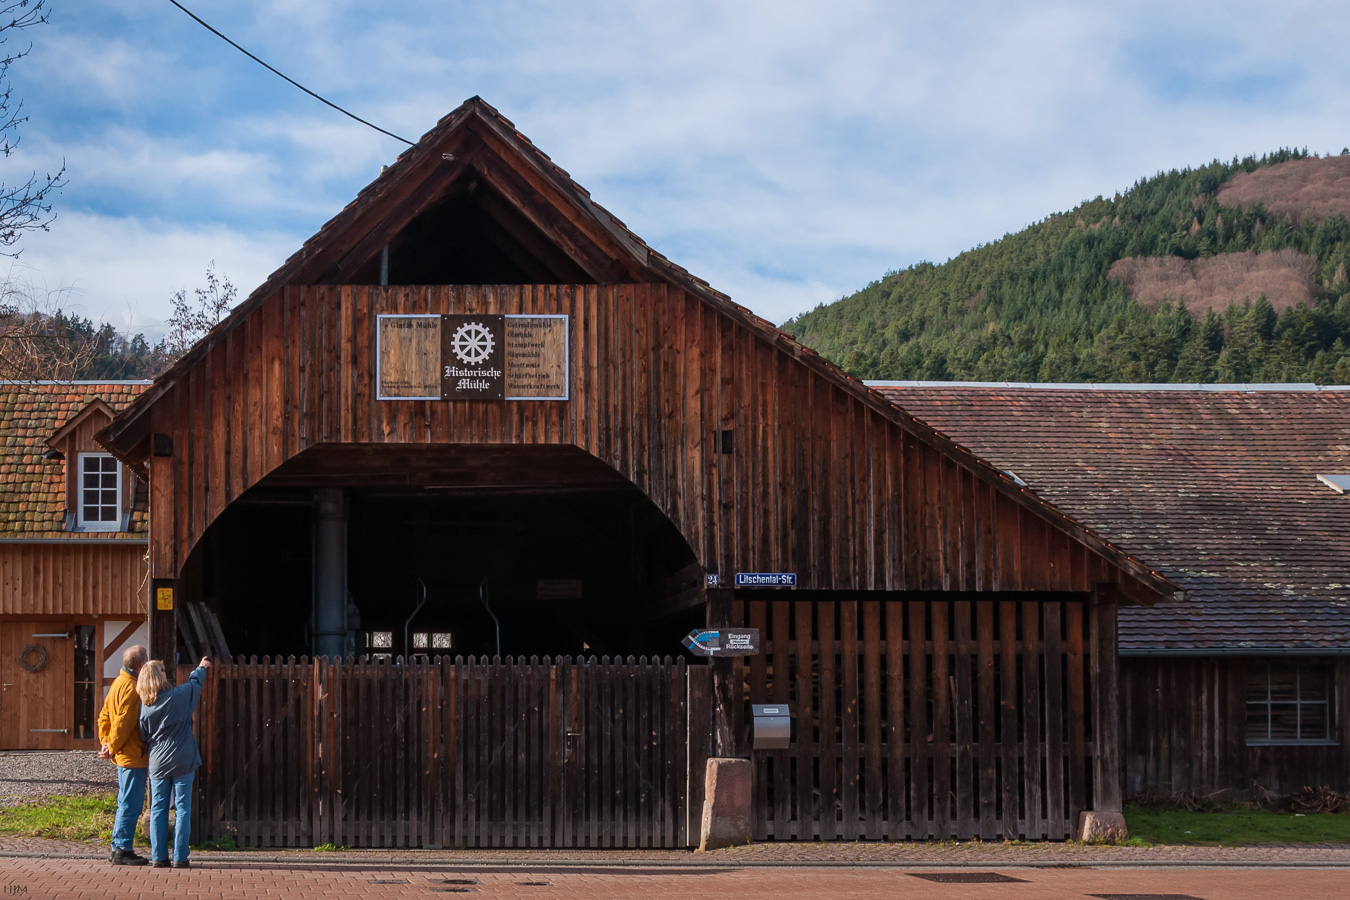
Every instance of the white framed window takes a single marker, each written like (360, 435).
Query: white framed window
(99, 493)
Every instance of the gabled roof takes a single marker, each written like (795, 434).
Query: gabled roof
(94, 407)
(33, 489)
(1217, 487)
(476, 142)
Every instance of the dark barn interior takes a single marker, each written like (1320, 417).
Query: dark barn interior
(456, 569)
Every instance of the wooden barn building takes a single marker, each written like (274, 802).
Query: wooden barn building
(1237, 494)
(460, 476)
(73, 562)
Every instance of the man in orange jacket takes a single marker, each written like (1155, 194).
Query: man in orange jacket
(119, 734)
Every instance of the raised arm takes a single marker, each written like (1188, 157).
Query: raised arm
(195, 682)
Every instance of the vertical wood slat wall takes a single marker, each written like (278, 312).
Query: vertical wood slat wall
(63, 578)
(441, 753)
(817, 481)
(924, 718)
(1184, 729)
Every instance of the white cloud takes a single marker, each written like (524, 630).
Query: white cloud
(787, 151)
(124, 270)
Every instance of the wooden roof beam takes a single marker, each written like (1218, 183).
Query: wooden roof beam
(516, 237)
(562, 222)
(433, 191)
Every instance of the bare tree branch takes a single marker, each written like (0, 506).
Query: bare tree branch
(25, 206)
(36, 342)
(192, 319)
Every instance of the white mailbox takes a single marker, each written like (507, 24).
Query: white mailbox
(772, 726)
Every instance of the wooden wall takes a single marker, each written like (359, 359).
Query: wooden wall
(818, 482)
(1184, 728)
(922, 717)
(73, 578)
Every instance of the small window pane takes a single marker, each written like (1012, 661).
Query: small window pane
(90, 480)
(1284, 721)
(420, 640)
(1315, 722)
(1283, 685)
(1258, 721)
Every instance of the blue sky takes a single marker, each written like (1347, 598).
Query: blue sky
(788, 152)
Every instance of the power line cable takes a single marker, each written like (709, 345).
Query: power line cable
(199, 21)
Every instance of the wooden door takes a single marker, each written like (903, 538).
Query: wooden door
(35, 706)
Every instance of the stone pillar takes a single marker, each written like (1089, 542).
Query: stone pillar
(328, 623)
(726, 804)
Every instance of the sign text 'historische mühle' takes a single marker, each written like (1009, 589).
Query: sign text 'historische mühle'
(472, 357)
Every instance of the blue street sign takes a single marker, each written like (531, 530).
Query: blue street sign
(766, 579)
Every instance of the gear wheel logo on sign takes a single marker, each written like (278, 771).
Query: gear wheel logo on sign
(472, 343)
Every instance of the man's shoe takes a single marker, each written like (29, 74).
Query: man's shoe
(127, 858)
(181, 864)
(160, 864)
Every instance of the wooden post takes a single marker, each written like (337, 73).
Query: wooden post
(723, 671)
(163, 623)
(1106, 776)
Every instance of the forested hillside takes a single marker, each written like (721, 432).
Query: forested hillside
(1229, 293)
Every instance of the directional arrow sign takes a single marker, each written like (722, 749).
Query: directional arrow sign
(723, 641)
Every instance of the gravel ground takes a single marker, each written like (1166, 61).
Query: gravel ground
(26, 775)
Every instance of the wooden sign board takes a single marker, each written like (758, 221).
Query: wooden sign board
(536, 358)
(409, 355)
(459, 357)
(472, 358)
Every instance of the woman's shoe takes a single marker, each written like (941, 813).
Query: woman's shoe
(160, 864)
(181, 864)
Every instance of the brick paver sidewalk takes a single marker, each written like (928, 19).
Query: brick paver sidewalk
(1047, 854)
(53, 879)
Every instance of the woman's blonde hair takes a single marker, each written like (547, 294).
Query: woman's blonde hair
(151, 681)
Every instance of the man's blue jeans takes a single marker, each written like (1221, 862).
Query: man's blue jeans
(130, 802)
(160, 788)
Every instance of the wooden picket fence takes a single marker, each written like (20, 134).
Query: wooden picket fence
(925, 718)
(452, 753)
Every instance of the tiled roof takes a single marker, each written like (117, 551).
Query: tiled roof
(1216, 488)
(32, 489)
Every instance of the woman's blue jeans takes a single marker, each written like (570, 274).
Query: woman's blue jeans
(160, 788)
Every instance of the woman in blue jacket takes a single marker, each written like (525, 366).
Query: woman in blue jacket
(166, 725)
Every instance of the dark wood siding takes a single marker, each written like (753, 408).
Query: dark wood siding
(1184, 728)
(440, 753)
(67, 578)
(821, 480)
(923, 717)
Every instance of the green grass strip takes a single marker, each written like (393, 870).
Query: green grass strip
(62, 818)
(1235, 828)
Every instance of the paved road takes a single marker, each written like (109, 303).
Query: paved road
(80, 879)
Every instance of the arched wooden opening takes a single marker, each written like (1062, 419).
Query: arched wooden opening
(453, 550)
